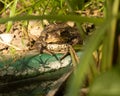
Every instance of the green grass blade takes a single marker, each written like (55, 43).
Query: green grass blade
(12, 13)
(74, 18)
(109, 40)
(82, 68)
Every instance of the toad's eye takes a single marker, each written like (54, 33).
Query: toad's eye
(64, 33)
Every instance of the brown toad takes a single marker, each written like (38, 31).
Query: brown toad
(55, 38)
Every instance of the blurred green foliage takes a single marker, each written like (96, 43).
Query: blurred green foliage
(105, 37)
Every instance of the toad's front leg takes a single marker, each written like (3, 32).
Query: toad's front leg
(70, 51)
(65, 54)
(53, 49)
(42, 47)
